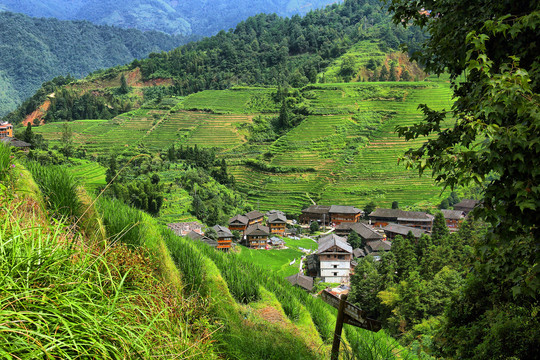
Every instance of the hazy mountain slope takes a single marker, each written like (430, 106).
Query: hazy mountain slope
(204, 17)
(35, 50)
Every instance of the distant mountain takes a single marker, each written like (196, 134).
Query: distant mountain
(33, 51)
(202, 17)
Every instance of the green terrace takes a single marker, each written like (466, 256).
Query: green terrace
(345, 152)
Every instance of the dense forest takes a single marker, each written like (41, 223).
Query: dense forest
(35, 50)
(169, 16)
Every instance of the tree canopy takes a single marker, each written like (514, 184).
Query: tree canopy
(490, 51)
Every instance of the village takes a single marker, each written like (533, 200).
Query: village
(341, 228)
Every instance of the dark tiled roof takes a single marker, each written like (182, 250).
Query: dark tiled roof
(466, 204)
(379, 245)
(240, 219)
(339, 209)
(301, 280)
(358, 253)
(328, 241)
(254, 215)
(277, 218)
(365, 232)
(401, 215)
(403, 230)
(222, 231)
(15, 142)
(317, 209)
(453, 214)
(258, 229)
(196, 236)
(268, 213)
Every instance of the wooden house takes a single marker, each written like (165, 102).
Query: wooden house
(198, 237)
(254, 217)
(453, 218)
(6, 130)
(318, 213)
(303, 281)
(416, 219)
(344, 214)
(335, 256)
(238, 223)
(225, 238)
(277, 223)
(365, 232)
(393, 230)
(257, 236)
(466, 205)
(13, 142)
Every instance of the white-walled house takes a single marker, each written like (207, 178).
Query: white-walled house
(335, 256)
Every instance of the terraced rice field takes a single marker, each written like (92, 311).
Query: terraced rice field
(90, 173)
(349, 142)
(355, 152)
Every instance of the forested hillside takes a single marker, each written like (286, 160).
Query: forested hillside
(263, 50)
(170, 16)
(34, 50)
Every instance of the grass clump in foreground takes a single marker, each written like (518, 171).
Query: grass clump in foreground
(64, 296)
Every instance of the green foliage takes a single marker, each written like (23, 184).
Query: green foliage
(493, 144)
(314, 227)
(369, 208)
(124, 87)
(355, 241)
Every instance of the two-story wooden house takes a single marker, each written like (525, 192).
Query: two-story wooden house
(453, 218)
(393, 230)
(335, 256)
(318, 213)
(254, 217)
(257, 236)
(344, 214)
(239, 223)
(416, 219)
(277, 223)
(466, 205)
(6, 130)
(365, 232)
(225, 238)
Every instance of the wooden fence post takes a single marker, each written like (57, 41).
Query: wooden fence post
(339, 327)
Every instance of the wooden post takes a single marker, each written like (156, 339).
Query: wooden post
(339, 327)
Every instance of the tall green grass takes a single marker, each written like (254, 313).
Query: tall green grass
(122, 222)
(59, 189)
(57, 302)
(5, 161)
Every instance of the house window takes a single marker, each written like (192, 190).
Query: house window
(335, 266)
(335, 274)
(341, 257)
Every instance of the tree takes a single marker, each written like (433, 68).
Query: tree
(369, 208)
(314, 226)
(124, 88)
(395, 205)
(211, 233)
(404, 249)
(355, 241)
(494, 73)
(439, 230)
(67, 140)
